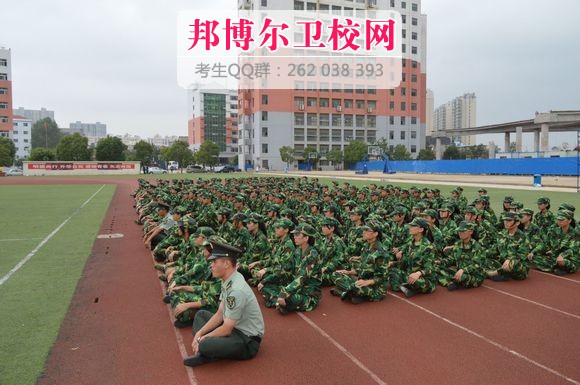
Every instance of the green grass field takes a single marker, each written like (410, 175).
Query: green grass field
(34, 300)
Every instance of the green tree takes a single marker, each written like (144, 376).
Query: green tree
(287, 155)
(383, 144)
(7, 152)
(180, 152)
(45, 133)
(143, 152)
(426, 154)
(41, 154)
(73, 148)
(355, 152)
(336, 157)
(207, 154)
(400, 153)
(512, 147)
(452, 152)
(110, 148)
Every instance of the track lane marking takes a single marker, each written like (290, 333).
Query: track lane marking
(556, 276)
(489, 341)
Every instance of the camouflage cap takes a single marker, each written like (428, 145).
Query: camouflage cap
(482, 190)
(527, 211)
(471, 210)
(446, 207)
(239, 198)
(350, 203)
(274, 207)
(180, 210)
(543, 201)
(306, 229)
(430, 213)
(241, 217)
(224, 211)
(510, 216)
(204, 231)
(564, 214)
(508, 198)
(284, 223)
(419, 222)
(399, 210)
(287, 212)
(517, 205)
(567, 206)
(373, 225)
(327, 221)
(254, 218)
(330, 208)
(466, 226)
(358, 211)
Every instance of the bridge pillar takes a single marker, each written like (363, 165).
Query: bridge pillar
(438, 154)
(519, 131)
(545, 138)
(506, 142)
(537, 141)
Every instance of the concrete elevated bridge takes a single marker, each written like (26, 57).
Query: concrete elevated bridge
(541, 126)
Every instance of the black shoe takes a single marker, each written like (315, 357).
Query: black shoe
(335, 292)
(408, 292)
(357, 300)
(197, 360)
(167, 298)
(344, 296)
(500, 278)
(559, 271)
(452, 286)
(180, 324)
(282, 310)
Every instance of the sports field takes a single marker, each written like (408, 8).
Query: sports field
(116, 330)
(34, 296)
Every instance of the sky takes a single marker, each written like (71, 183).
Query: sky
(115, 61)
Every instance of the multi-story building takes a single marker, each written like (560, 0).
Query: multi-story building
(21, 135)
(429, 113)
(34, 115)
(213, 115)
(457, 113)
(97, 129)
(328, 116)
(6, 114)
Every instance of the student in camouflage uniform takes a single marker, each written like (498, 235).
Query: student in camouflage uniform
(282, 248)
(509, 259)
(332, 250)
(560, 251)
(304, 292)
(413, 271)
(464, 266)
(399, 230)
(175, 235)
(203, 294)
(447, 225)
(544, 218)
(365, 279)
(258, 245)
(354, 241)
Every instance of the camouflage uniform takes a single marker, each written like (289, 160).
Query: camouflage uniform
(332, 253)
(513, 248)
(557, 243)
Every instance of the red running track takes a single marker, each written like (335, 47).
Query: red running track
(505, 333)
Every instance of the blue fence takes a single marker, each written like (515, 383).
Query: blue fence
(544, 166)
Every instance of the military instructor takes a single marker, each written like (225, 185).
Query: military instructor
(236, 330)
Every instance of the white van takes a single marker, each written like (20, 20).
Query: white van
(172, 165)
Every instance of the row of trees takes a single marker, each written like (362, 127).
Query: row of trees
(354, 152)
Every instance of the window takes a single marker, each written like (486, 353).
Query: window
(3, 76)
(311, 135)
(324, 102)
(414, 7)
(413, 134)
(348, 120)
(404, 33)
(371, 121)
(324, 136)
(403, 106)
(348, 88)
(348, 135)
(404, 19)
(25, 140)
(413, 120)
(360, 120)
(347, 103)
(372, 104)
(336, 87)
(298, 101)
(298, 119)
(360, 104)
(403, 77)
(402, 120)
(14, 132)
(264, 3)
(413, 92)
(413, 106)
(324, 120)
(312, 119)
(371, 90)
(264, 115)
(265, 132)
(336, 136)
(391, 135)
(414, 64)
(413, 35)
(265, 99)
(336, 120)
(311, 102)
(15, 140)
(3, 62)
(264, 148)
(3, 105)
(402, 135)
(3, 91)
(413, 50)
(311, 6)
(391, 120)
(403, 5)
(404, 49)
(335, 103)
(414, 21)
(298, 5)
(392, 106)
(392, 92)
(299, 134)
(392, 3)
(403, 91)
(311, 86)
(413, 78)
(298, 86)
(360, 89)
(324, 87)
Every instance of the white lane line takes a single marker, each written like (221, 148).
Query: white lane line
(43, 242)
(180, 342)
(19, 239)
(556, 276)
(532, 302)
(343, 350)
(496, 344)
